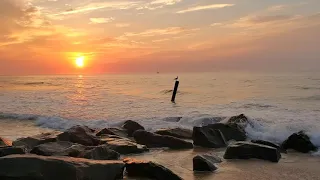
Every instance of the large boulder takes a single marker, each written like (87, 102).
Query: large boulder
(230, 131)
(123, 145)
(131, 127)
(205, 162)
(112, 131)
(176, 132)
(267, 143)
(64, 148)
(211, 138)
(247, 150)
(32, 167)
(30, 142)
(5, 151)
(153, 140)
(299, 142)
(5, 142)
(151, 170)
(81, 135)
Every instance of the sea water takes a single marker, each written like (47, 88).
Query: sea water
(277, 104)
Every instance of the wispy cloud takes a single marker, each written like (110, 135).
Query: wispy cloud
(199, 8)
(158, 32)
(122, 25)
(101, 20)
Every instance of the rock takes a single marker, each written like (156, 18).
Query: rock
(64, 148)
(153, 140)
(112, 131)
(205, 162)
(240, 119)
(299, 142)
(5, 142)
(30, 142)
(131, 127)
(267, 143)
(247, 150)
(5, 151)
(206, 137)
(229, 131)
(142, 169)
(124, 145)
(176, 132)
(32, 167)
(101, 152)
(81, 135)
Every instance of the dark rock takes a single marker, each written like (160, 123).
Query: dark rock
(81, 135)
(64, 148)
(153, 140)
(206, 137)
(5, 142)
(176, 132)
(60, 148)
(112, 131)
(229, 131)
(240, 119)
(30, 142)
(101, 152)
(142, 169)
(5, 151)
(124, 145)
(247, 150)
(299, 142)
(54, 168)
(267, 143)
(205, 162)
(131, 127)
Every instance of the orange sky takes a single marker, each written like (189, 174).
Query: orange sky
(46, 36)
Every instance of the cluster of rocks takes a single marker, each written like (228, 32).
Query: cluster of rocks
(84, 153)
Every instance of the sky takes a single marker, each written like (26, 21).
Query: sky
(132, 36)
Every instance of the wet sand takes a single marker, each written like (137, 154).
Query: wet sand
(292, 166)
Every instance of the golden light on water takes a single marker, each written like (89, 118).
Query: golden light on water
(80, 61)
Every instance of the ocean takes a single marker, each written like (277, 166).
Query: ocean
(277, 104)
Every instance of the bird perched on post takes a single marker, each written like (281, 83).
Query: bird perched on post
(176, 79)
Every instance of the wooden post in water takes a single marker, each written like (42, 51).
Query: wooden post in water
(176, 85)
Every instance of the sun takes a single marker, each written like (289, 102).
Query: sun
(80, 61)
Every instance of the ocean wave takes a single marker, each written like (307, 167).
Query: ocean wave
(307, 88)
(260, 129)
(257, 105)
(310, 98)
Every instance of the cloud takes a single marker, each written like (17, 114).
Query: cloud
(159, 32)
(199, 8)
(101, 20)
(122, 25)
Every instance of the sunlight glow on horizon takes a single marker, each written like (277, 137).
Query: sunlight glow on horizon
(80, 62)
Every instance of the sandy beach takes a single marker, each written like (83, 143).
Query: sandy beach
(292, 166)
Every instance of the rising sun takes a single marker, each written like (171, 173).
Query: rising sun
(80, 61)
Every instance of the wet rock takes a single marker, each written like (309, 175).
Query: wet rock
(131, 127)
(62, 168)
(112, 131)
(30, 142)
(124, 145)
(5, 142)
(101, 152)
(81, 135)
(267, 143)
(248, 150)
(153, 140)
(240, 119)
(143, 169)
(64, 148)
(176, 132)
(229, 131)
(205, 162)
(299, 142)
(206, 137)
(5, 151)
(60, 148)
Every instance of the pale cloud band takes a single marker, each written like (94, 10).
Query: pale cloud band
(199, 8)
